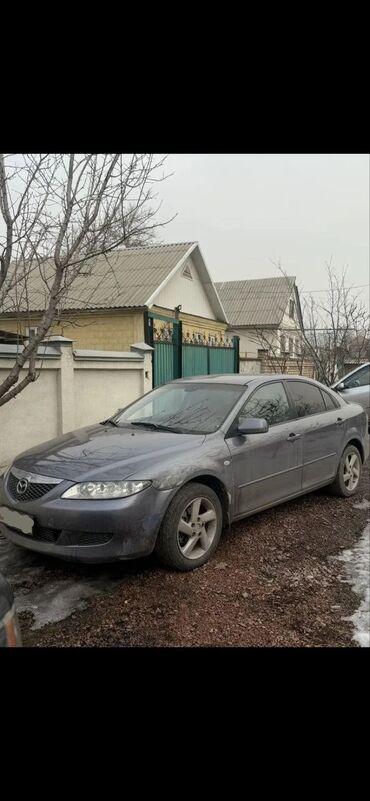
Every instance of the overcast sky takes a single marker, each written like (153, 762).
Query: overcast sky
(246, 210)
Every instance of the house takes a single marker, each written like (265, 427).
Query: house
(162, 295)
(266, 314)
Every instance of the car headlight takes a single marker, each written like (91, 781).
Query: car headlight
(105, 490)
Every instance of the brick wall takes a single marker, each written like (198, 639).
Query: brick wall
(291, 366)
(113, 330)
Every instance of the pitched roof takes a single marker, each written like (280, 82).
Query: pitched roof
(257, 302)
(125, 278)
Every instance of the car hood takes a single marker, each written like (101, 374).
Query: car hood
(105, 452)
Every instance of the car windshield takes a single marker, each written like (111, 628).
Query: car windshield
(186, 408)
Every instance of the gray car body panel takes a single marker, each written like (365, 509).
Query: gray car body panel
(256, 471)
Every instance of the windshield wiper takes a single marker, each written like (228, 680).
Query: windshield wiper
(111, 422)
(156, 426)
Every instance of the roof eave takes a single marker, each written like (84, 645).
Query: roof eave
(209, 287)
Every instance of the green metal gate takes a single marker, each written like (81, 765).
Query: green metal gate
(175, 357)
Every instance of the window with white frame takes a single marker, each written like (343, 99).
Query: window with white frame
(32, 331)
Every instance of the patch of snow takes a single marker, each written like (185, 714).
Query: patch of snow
(52, 591)
(357, 567)
(56, 600)
(365, 504)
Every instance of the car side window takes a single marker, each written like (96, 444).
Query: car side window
(329, 401)
(270, 402)
(307, 398)
(359, 379)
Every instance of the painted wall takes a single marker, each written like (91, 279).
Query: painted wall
(189, 292)
(69, 393)
(32, 417)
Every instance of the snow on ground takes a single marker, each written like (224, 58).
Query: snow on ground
(357, 569)
(52, 591)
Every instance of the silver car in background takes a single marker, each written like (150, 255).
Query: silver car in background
(355, 387)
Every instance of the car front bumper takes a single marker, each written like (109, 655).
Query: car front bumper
(90, 531)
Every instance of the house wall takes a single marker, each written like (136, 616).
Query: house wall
(251, 341)
(189, 292)
(71, 392)
(104, 330)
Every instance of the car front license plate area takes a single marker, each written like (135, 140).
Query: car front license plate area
(17, 520)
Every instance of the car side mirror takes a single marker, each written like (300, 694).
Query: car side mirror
(252, 425)
(340, 387)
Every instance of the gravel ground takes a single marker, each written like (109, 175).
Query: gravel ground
(272, 582)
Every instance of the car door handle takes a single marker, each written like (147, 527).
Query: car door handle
(293, 437)
(339, 421)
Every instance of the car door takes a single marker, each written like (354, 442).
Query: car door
(322, 425)
(357, 388)
(266, 468)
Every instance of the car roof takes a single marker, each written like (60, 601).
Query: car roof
(241, 378)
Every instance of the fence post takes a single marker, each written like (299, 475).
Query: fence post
(236, 341)
(147, 377)
(65, 384)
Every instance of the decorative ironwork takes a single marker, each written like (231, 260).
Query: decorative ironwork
(163, 333)
(207, 340)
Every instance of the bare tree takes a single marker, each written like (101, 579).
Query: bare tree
(335, 331)
(279, 356)
(58, 214)
(336, 327)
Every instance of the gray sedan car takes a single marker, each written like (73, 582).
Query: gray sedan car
(173, 468)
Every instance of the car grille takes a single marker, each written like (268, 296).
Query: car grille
(32, 492)
(63, 537)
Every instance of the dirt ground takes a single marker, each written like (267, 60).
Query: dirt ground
(272, 582)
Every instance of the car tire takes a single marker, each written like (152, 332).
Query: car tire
(191, 528)
(348, 478)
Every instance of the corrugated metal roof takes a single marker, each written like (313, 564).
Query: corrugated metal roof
(260, 301)
(121, 279)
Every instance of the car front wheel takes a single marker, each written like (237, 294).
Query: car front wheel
(191, 528)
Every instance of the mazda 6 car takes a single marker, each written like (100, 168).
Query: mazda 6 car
(171, 470)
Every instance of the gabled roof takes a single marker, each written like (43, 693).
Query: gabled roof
(125, 278)
(257, 302)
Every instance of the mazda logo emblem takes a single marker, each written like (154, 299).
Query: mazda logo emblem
(22, 486)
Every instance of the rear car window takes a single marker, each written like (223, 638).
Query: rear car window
(306, 397)
(329, 401)
(269, 402)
